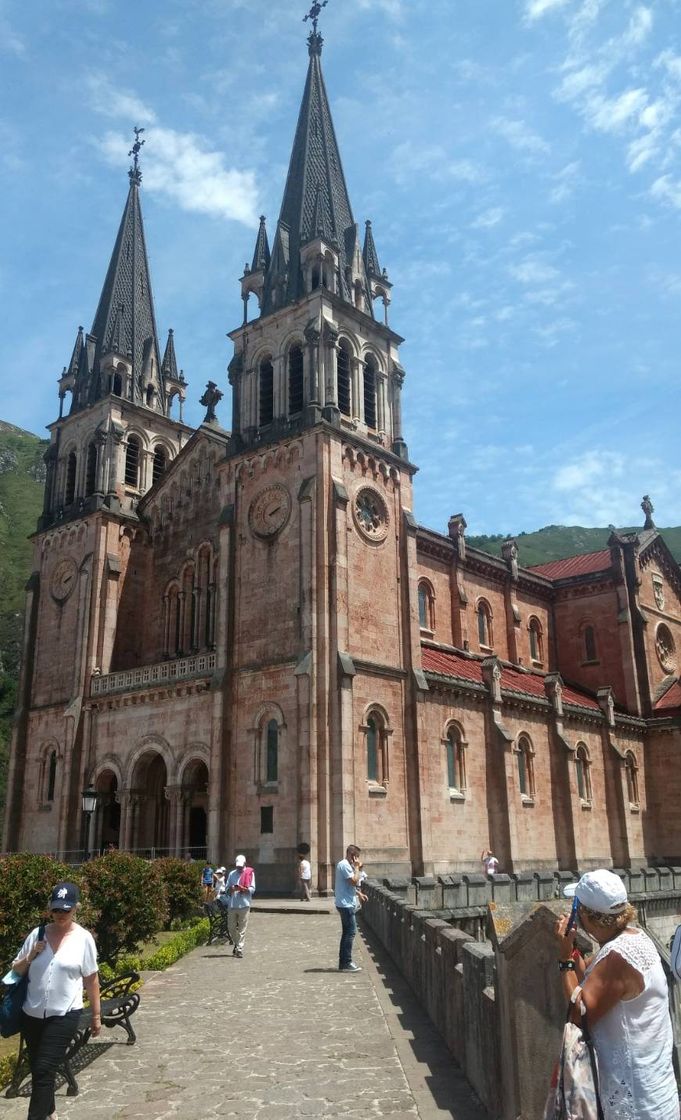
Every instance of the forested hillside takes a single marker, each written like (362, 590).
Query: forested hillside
(22, 474)
(556, 541)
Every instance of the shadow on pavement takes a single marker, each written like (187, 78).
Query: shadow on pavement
(451, 1092)
(84, 1058)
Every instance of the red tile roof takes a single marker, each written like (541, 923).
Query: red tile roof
(574, 565)
(512, 680)
(671, 698)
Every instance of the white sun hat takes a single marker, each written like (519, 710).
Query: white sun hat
(601, 890)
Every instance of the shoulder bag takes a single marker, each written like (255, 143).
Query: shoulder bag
(13, 1002)
(574, 1093)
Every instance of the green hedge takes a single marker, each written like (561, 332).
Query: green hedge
(129, 896)
(27, 883)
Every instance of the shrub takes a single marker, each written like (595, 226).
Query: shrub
(183, 887)
(129, 896)
(27, 882)
(183, 942)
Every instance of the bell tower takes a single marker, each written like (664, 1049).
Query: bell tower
(118, 435)
(319, 346)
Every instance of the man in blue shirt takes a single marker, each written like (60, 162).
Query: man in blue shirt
(240, 887)
(349, 875)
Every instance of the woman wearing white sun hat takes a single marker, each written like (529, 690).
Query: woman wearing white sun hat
(623, 993)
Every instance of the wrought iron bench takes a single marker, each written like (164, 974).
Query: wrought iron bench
(217, 917)
(119, 1004)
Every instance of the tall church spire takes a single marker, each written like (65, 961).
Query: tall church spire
(123, 338)
(316, 205)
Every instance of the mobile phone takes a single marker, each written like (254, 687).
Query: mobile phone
(572, 920)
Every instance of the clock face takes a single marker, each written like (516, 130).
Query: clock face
(269, 512)
(63, 579)
(371, 514)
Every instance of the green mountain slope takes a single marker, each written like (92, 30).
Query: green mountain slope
(22, 474)
(556, 541)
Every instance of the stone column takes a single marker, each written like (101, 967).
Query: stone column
(313, 408)
(279, 403)
(381, 403)
(124, 798)
(174, 795)
(101, 440)
(330, 412)
(357, 391)
(398, 444)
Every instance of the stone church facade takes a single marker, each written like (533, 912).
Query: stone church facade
(244, 639)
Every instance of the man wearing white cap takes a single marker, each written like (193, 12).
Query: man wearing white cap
(623, 994)
(240, 888)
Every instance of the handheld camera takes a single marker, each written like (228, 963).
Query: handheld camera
(572, 920)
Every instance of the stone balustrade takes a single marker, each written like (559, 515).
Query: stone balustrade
(150, 676)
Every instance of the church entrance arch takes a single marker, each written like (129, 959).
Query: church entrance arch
(108, 814)
(151, 816)
(195, 798)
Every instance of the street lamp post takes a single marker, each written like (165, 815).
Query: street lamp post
(89, 804)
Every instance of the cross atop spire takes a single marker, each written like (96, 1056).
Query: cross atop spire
(314, 13)
(134, 173)
(314, 39)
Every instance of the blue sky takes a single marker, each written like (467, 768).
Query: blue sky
(520, 161)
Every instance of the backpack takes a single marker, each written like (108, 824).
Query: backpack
(675, 954)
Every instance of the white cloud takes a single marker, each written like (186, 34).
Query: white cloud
(639, 26)
(393, 8)
(567, 180)
(489, 218)
(611, 114)
(589, 469)
(412, 159)
(535, 9)
(534, 270)
(519, 135)
(668, 190)
(10, 40)
(180, 166)
(111, 101)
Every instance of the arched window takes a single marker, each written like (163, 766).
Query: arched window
(132, 462)
(71, 472)
(51, 776)
(117, 385)
(525, 755)
(173, 622)
(456, 761)
(426, 605)
(484, 613)
(589, 638)
(343, 371)
(295, 380)
(160, 463)
(583, 767)
(536, 640)
(150, 396)
(91, 470)
(376, 749)
(631, 767)
(272, 752)
(370, 392)
(266, 392)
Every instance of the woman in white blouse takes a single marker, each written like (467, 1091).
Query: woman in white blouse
(623, 993)
(57, 968)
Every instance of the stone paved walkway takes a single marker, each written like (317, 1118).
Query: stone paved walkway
(277, 1035)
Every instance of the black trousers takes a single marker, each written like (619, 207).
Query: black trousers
(47, 1041)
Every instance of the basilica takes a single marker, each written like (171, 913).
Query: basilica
(242, 639)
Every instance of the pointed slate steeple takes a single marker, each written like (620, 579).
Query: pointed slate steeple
(370, 255)
(316, 202)
(169, 363)
(124, 325)
(261, 253)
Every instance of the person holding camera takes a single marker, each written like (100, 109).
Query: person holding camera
(348, 897)
(622, 993)
(58, 966)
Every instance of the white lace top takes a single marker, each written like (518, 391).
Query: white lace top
(634, 1040)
